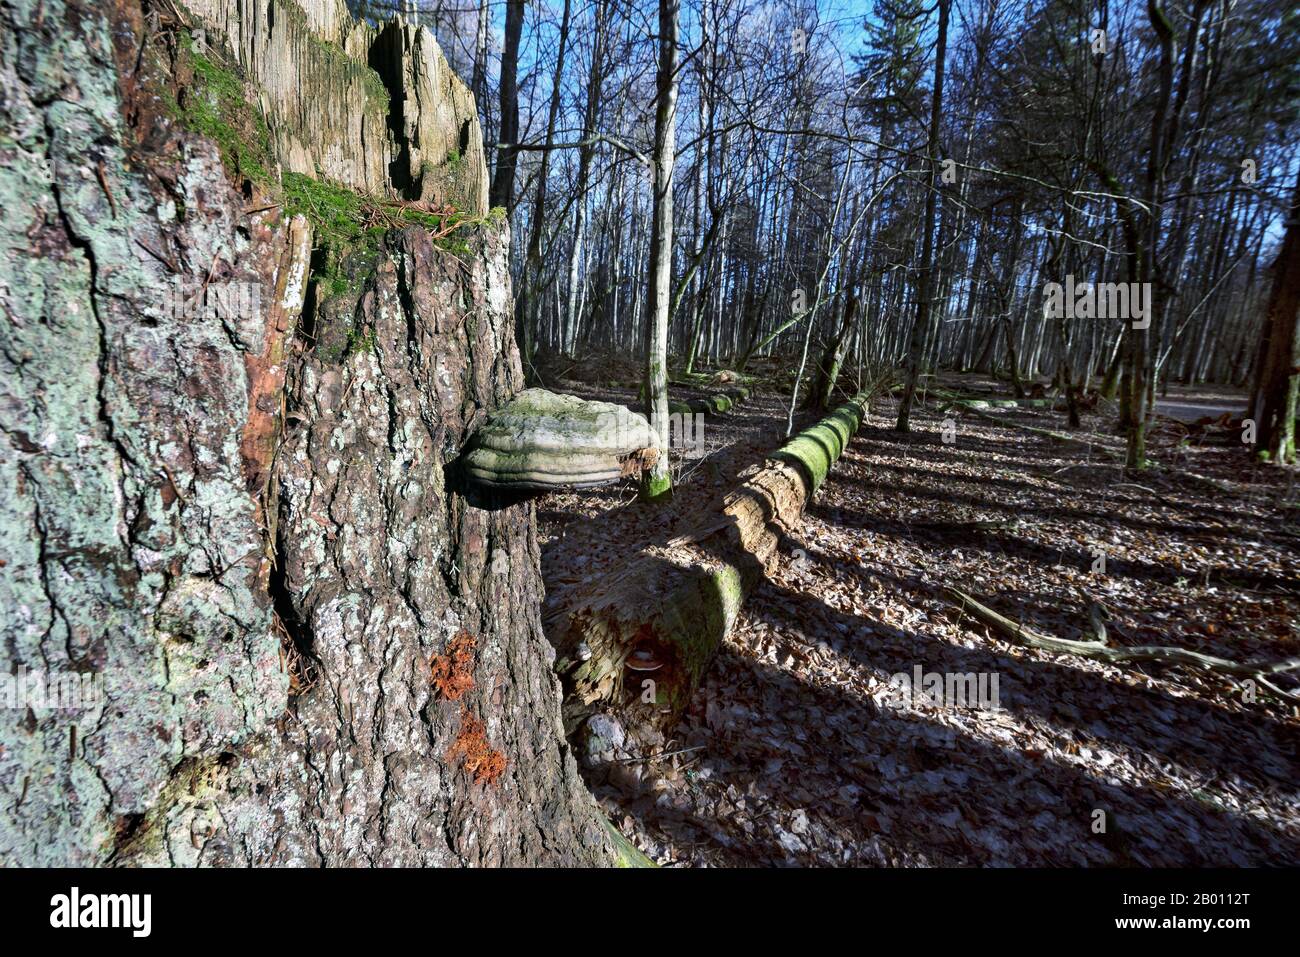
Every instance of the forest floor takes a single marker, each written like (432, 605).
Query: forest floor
(795, 750)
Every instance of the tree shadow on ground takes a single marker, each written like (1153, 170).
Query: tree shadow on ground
(921, 794)
(1207, 737)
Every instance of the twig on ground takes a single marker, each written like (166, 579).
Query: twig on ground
(1259, 670)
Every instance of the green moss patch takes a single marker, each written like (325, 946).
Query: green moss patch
(214, 105)
(817, 447)
(344, 217)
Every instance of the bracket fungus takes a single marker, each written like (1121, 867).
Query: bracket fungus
(542, 440)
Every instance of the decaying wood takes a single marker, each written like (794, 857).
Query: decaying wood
(266, 369)
(672, 605)
(716, 403)
(952, 400)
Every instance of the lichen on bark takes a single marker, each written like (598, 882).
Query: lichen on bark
(137, 554)
(200, 502)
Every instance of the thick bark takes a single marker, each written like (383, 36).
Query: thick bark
(1274, 406)
(387, 577)
(345, 668)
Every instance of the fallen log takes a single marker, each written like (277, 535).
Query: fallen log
(640, 639)
(627, 854)
(716, 404)
(975, 403)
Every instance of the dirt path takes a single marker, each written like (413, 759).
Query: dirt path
(1190, 404)
(796, 749)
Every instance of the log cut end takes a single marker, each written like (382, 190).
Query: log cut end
(542, 440)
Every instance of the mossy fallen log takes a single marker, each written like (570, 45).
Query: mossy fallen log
(640, 640)
(542, 440)
(715, 404)
(627, 854)
(977, 403)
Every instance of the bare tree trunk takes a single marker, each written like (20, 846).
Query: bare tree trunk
(530, 281)
(1138, 384)
(503, 178)
(1274, 405)
(656, 483)
(921, 330)
(478, 82)
(595, 85)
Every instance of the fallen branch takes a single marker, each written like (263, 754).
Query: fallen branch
(1260, 670)
(951, 400)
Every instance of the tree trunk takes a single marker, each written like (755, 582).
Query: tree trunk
(921, 330)
(1138, 381)
(321, 651)
(828, 368)
(503, 178)
(1274, 405)
(478, 80)
(595, 85)
(656, 482)
(530, 281)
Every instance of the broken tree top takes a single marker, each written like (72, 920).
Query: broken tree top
(542, 440)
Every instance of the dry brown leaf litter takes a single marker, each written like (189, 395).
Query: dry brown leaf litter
(792, 752)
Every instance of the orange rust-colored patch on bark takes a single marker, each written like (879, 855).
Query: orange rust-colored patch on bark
(453, 673)
(481, 759)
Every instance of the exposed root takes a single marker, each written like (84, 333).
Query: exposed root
(1259, 670)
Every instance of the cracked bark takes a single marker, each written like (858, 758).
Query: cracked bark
(150, 461)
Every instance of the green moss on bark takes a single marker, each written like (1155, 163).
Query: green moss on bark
(817, 448)
(216, 106)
